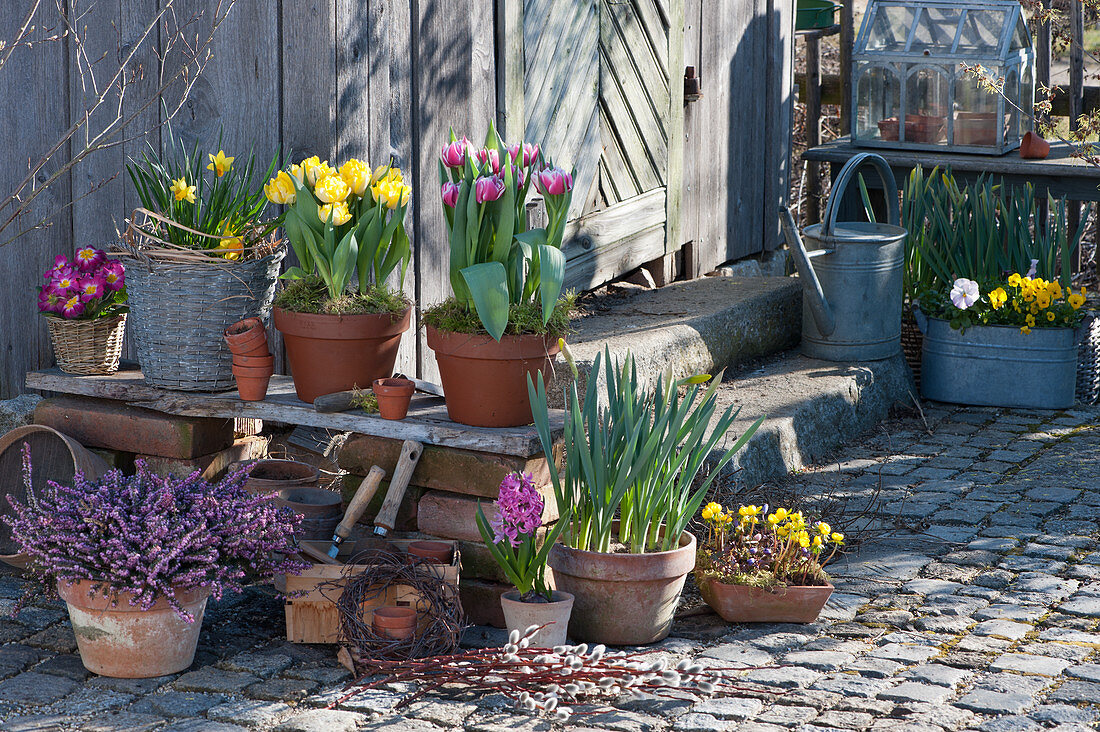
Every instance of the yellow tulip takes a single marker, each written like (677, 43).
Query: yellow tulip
(220, 163)
(182, 191)
(357, 175)
(315, 169)
(391, 194)
(332, 189)
(299, 173)
(387, 173)
(280, 189)
(338, 210)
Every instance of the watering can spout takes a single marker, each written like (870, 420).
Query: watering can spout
(811, 285)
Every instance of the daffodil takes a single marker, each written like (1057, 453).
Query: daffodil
(182, 191)
(332, 189)
(220, 163)
(338, 211)
(998, 297)
(231, 248)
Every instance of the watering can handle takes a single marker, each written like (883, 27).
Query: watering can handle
(811, 285)
(890, 189)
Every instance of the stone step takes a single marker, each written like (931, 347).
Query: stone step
(689, 328)
(811, 407)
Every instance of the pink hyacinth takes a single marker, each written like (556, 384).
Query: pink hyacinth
(519, 509)
(450, 194)
(454, 154)
(553, 182)
(488, 188)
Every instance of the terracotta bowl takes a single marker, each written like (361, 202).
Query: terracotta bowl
(436, 551)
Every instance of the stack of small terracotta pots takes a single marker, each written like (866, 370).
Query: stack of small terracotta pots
(253, 363)
(394, 622)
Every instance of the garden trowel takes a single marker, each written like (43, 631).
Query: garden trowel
(387, 515)
(358, 504)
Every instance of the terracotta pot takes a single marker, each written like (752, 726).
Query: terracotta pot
(252, 381)
(396, 623)
(393, 396)
(320, 509)
(331, 353)
(744, 604)
(269, 476)
(266, 362)
(622, 599)
(436, 551)
(485, 381)
(554, 615)
(1034, 147)
(247, 338)
(398, 634)
(127, 642)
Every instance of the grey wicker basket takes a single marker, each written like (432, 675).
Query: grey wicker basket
(1088, 359)
(179, 311)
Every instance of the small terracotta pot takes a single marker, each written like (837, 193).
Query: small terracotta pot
(123, 641)
(436, 551)
(393, 396)
(247, 338)
(397, 623)
(267, 361)
(270, 476)
(1033, 147)
(554, 615)
(331, 353)
(320, 509)
(486, 381)
(399, 634)
(252, 382)
(744, 604)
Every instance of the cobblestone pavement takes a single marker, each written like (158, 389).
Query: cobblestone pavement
(983, 616)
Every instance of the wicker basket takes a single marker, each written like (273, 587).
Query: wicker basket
(1088, 357)
(912, 340)
(87, 347)
(181, 309)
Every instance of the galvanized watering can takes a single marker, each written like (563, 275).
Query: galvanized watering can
(851, 309)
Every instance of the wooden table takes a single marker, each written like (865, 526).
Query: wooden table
(427, 421)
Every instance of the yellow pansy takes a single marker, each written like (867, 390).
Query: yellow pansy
(332, 189)
(1025, 330)
(280, 189)
(998, 297)
(1033, 308)
(1054, 290)
(391, 194)
(220, 163)
(338, 210)
(1075, 300)
(356, 174)
(1014, 280)
(1030, 320)
(1050, 316)
(1042, 299)
(182, 191)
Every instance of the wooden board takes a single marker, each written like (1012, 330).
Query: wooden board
(602, 245)
(427, 421)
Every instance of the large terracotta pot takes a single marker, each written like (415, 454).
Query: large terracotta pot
(554, 615)
(486, 381)
(331, 353)
(126, 642)
(623, 599)
(744, 604)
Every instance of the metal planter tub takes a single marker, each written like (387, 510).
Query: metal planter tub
(998, 366)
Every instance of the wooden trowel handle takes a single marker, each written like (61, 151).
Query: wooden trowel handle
(406, 464)
(359, 501)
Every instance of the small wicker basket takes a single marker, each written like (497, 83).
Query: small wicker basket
(87, 347)
(1088, 356)
(912, 341)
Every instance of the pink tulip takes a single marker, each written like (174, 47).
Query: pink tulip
(553, 182)
(490, 156)
(454, 154)
(488, 188)
(450, 194)
(530, 154)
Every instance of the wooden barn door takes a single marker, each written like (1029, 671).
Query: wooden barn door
(599, 82)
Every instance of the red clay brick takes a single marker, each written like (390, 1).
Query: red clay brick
(245, 448)
(481, 601)
(442, 468)
(118, 426)
(451, 516)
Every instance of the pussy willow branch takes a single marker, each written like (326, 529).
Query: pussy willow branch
(113, 132)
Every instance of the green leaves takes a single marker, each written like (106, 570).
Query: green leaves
(488, 284)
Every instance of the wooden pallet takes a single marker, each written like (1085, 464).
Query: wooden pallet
(427, 421)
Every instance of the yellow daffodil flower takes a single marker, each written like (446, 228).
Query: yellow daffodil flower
(182, 191)
(280, 189)
(220, 163)
(998, 297)
(1076, 301)
(338, 210)
(332, 189)
(231, 248)
(356, 174)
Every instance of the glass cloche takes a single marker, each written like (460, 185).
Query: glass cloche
(910, 61)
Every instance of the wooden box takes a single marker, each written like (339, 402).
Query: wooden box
(313, 617)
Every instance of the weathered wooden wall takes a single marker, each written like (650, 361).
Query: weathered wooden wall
(599, 82)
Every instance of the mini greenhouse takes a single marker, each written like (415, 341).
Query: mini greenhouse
(910, 63)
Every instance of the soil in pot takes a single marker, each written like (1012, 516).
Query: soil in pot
(622, 599)
(126, 642)
(269, 476)
(486, 381)
(331, 353)
(519, 615)
(393, 397)
(247, 338)
(744, 604)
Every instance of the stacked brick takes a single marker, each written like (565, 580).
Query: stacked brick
(442, 502)
(121, 434)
